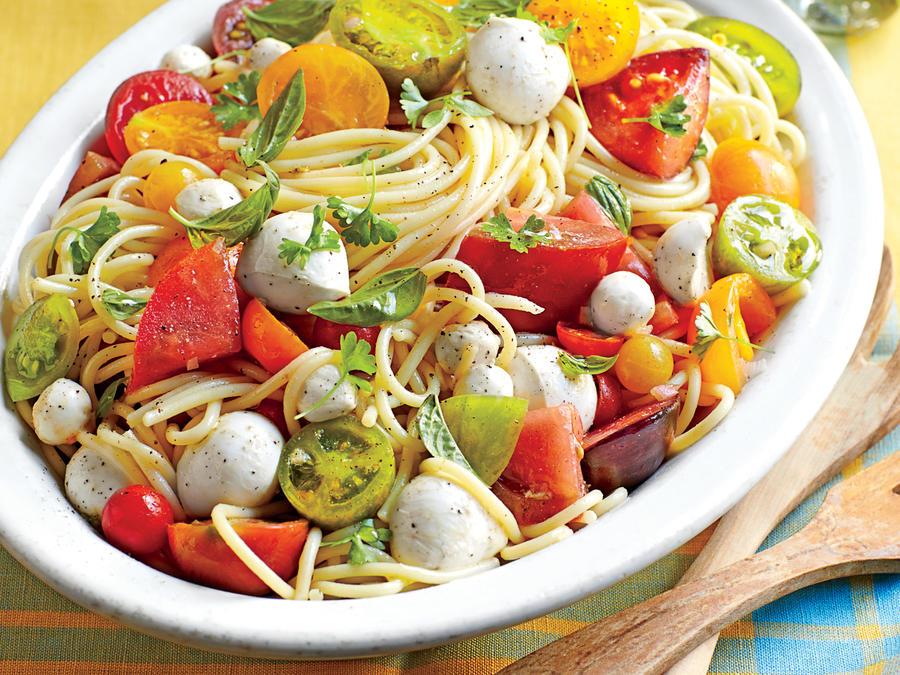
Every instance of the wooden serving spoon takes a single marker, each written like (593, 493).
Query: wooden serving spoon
(867, 394)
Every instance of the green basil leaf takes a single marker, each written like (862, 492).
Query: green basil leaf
(108, 397)
(573, 366)
(120, 305)
(88, 241)
(278, 126)
(292, 21)
(474, 13)
(236, 223)
(612, 200)
(391, 296)
(435, 434)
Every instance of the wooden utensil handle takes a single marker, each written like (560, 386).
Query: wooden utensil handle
(629, 642)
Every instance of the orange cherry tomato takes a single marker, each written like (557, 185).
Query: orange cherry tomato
(267, 340)
(604, 38)
(343, 90)
(644, 362)
(166, 181)
(740, 167)
(186, 128)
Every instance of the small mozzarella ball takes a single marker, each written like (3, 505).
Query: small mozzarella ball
(290, 288)
(206, 197)
(485, 380)
(61, 411)
(91, 480)
(440, 526)
(267, 50)
(680, 260)
(620, 303)
(188, 59)
(538, 378)
(236, 464)
(513, 71)
(319, 383)
(449, 345)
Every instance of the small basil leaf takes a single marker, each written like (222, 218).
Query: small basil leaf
(279, 124)
(391, 296)
(612, 200)
(120, 305)
(108, 397)
(573, 366)
(292, 21)
(435, 434)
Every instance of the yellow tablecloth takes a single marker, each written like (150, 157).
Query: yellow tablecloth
(42, 43)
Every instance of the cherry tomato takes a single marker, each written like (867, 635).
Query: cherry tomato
(186, 128)
(93, 168)
(609, 399)
(343, 90)
(135, 520)
(166, 181)
(274, 411)
(741, 167)
(141, 91)
(327, 333)
(230, 30)
(644, 362)
(267, 340)
(583, 341)
(604, 38)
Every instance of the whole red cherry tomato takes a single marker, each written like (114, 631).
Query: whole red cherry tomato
(328, 333)
(135, 520)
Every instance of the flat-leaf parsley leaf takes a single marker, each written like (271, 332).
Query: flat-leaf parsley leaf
(365, 541)
(530, 235)
(319, 239)
(356, 357)
(667, 117)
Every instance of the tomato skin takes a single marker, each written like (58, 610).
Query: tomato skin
(193, 315)
(327, 333)
(558, 276)
(203, 556)
(583, 341)
(230, 33)
(93, 168)
(267, 340)
(544, 474)
(141, 91)
(609, 399)
(632, 262)
(586, 208)
(177, 250)
(135, 519)
(637, 144)
(742, 167)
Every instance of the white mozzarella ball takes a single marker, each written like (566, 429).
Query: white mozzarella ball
(538, 378)
(236, 464)
(61, 411)
(449, 345)
(440, 526)
(188, 59)
(288, 287)
(620, 303)
(206, 197)
(680, 260)
(513, 71)
(485, 380)
(91, 480)
(266, 51)
(322, 380)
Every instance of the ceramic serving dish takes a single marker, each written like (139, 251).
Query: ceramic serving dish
(842, 190)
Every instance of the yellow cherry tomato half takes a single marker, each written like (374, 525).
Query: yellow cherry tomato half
(644, 362)
(742, 167)
(166, 181)
(186, 128)
(605, 36)
(343, 90)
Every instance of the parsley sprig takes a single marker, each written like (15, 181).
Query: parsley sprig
(708, 333)
(121, 305)
(237, 104)
(89, 240)
(530, 235)
(362, 226)
(365, 540)
(319, 239)
(356, 357)
(667, 117)
(573, 366)
(552, 36)
(414, 105)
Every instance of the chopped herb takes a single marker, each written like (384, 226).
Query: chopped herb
(88, 241)
(236, 104)
(291, 21)
(574, 366)
(612, 200)
(700, 151)
(319, 239)
(108, 397)
(414, 105)
(552, 36)
(355, 357)
(435, 434)
(362, 227)
(279, 124)
(474, 13)
(120, 305)
(708, 332)
(530, 235)
(667, 117)
(365, 540)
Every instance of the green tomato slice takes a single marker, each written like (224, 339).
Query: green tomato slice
(337, 472)
(486, 429)
(768, 239)
(42, 347)
(771, 59)
(417, 39)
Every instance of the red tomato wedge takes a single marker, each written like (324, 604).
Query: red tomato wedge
(230, 31)
(142, 91)
(632, 262)
(267, 340)
(193, 316)
(176, 251)
(586, 208)
(558, 276)
(649, 81)
(202, 555)
(609, 398)
(544, 474)
(327, 333)
(93, 168)
(583, 341)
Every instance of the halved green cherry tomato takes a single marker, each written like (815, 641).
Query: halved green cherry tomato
(486, 429)
(772, 59)
(337, 472)
(42, 347)
(768, 239)
(417, 39)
